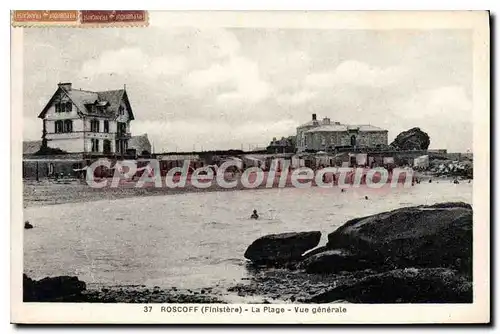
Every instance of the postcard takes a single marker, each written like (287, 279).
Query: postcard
(250, 167)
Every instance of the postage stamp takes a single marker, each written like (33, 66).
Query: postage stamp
(113, 18)
(33, 18)
(250, 167)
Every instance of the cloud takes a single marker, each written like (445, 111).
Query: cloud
(449, 103)
(296, 98)
(186, 135)
(132, 61)
(238, 72)
(445, 113)
(357, 73)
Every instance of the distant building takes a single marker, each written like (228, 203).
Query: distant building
(283, 145)
(326, 135)
(80, 121)
(140, 144)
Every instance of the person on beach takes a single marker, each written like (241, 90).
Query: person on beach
(366, 197)
(254, 215)
(27, 225)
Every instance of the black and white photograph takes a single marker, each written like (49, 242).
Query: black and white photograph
(263, 173)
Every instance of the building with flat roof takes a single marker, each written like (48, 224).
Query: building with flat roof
(326, 135)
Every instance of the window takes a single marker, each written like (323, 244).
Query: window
(94, 125)
(95, 145)
(122, 128)
(68, 126)
(353, 140)
(106, 126)
(63, 106)
(106, 146)
(323, 140)
(121, 110)
(59, 126)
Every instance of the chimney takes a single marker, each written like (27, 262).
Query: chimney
(314, 117)
(65, 85)
(326, 121)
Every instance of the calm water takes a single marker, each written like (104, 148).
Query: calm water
(193, 240)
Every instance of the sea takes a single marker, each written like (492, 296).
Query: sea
(195, 240)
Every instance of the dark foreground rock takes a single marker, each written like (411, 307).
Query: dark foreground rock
(71, 289)
(419, 254)
(53, 289)
(335, 261)
(277, 249)
(426, 285)
(425, 236)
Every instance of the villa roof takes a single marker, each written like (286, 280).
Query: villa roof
(83, 100)
(31, 147)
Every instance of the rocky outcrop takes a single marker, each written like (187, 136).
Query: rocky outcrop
(335, 261)
(425, 236)
(53, 289)
(426, 285)
(276, 249)
(413, 139)
(420, 254)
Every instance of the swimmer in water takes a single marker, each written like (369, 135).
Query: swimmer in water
(254, 215)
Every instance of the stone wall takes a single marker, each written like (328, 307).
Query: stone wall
(321, 140)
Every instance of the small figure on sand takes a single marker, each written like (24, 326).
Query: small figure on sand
(430, 180)
(366, 197)
(342, 190)
(27, 225)
(456, 181)
(254, 215)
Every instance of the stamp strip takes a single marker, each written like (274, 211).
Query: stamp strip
(79, 18)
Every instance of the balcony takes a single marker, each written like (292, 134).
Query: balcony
(123, 135)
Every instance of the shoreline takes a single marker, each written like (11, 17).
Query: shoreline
(49, 192)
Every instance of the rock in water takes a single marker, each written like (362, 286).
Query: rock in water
(335, 261)
(413, 139)
(430, 236)
(59, 288)
(426, 285)
(282, 248)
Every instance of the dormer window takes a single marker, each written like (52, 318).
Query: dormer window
(63, 106)
(121, 110)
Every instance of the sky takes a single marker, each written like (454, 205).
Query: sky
(222, 88)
